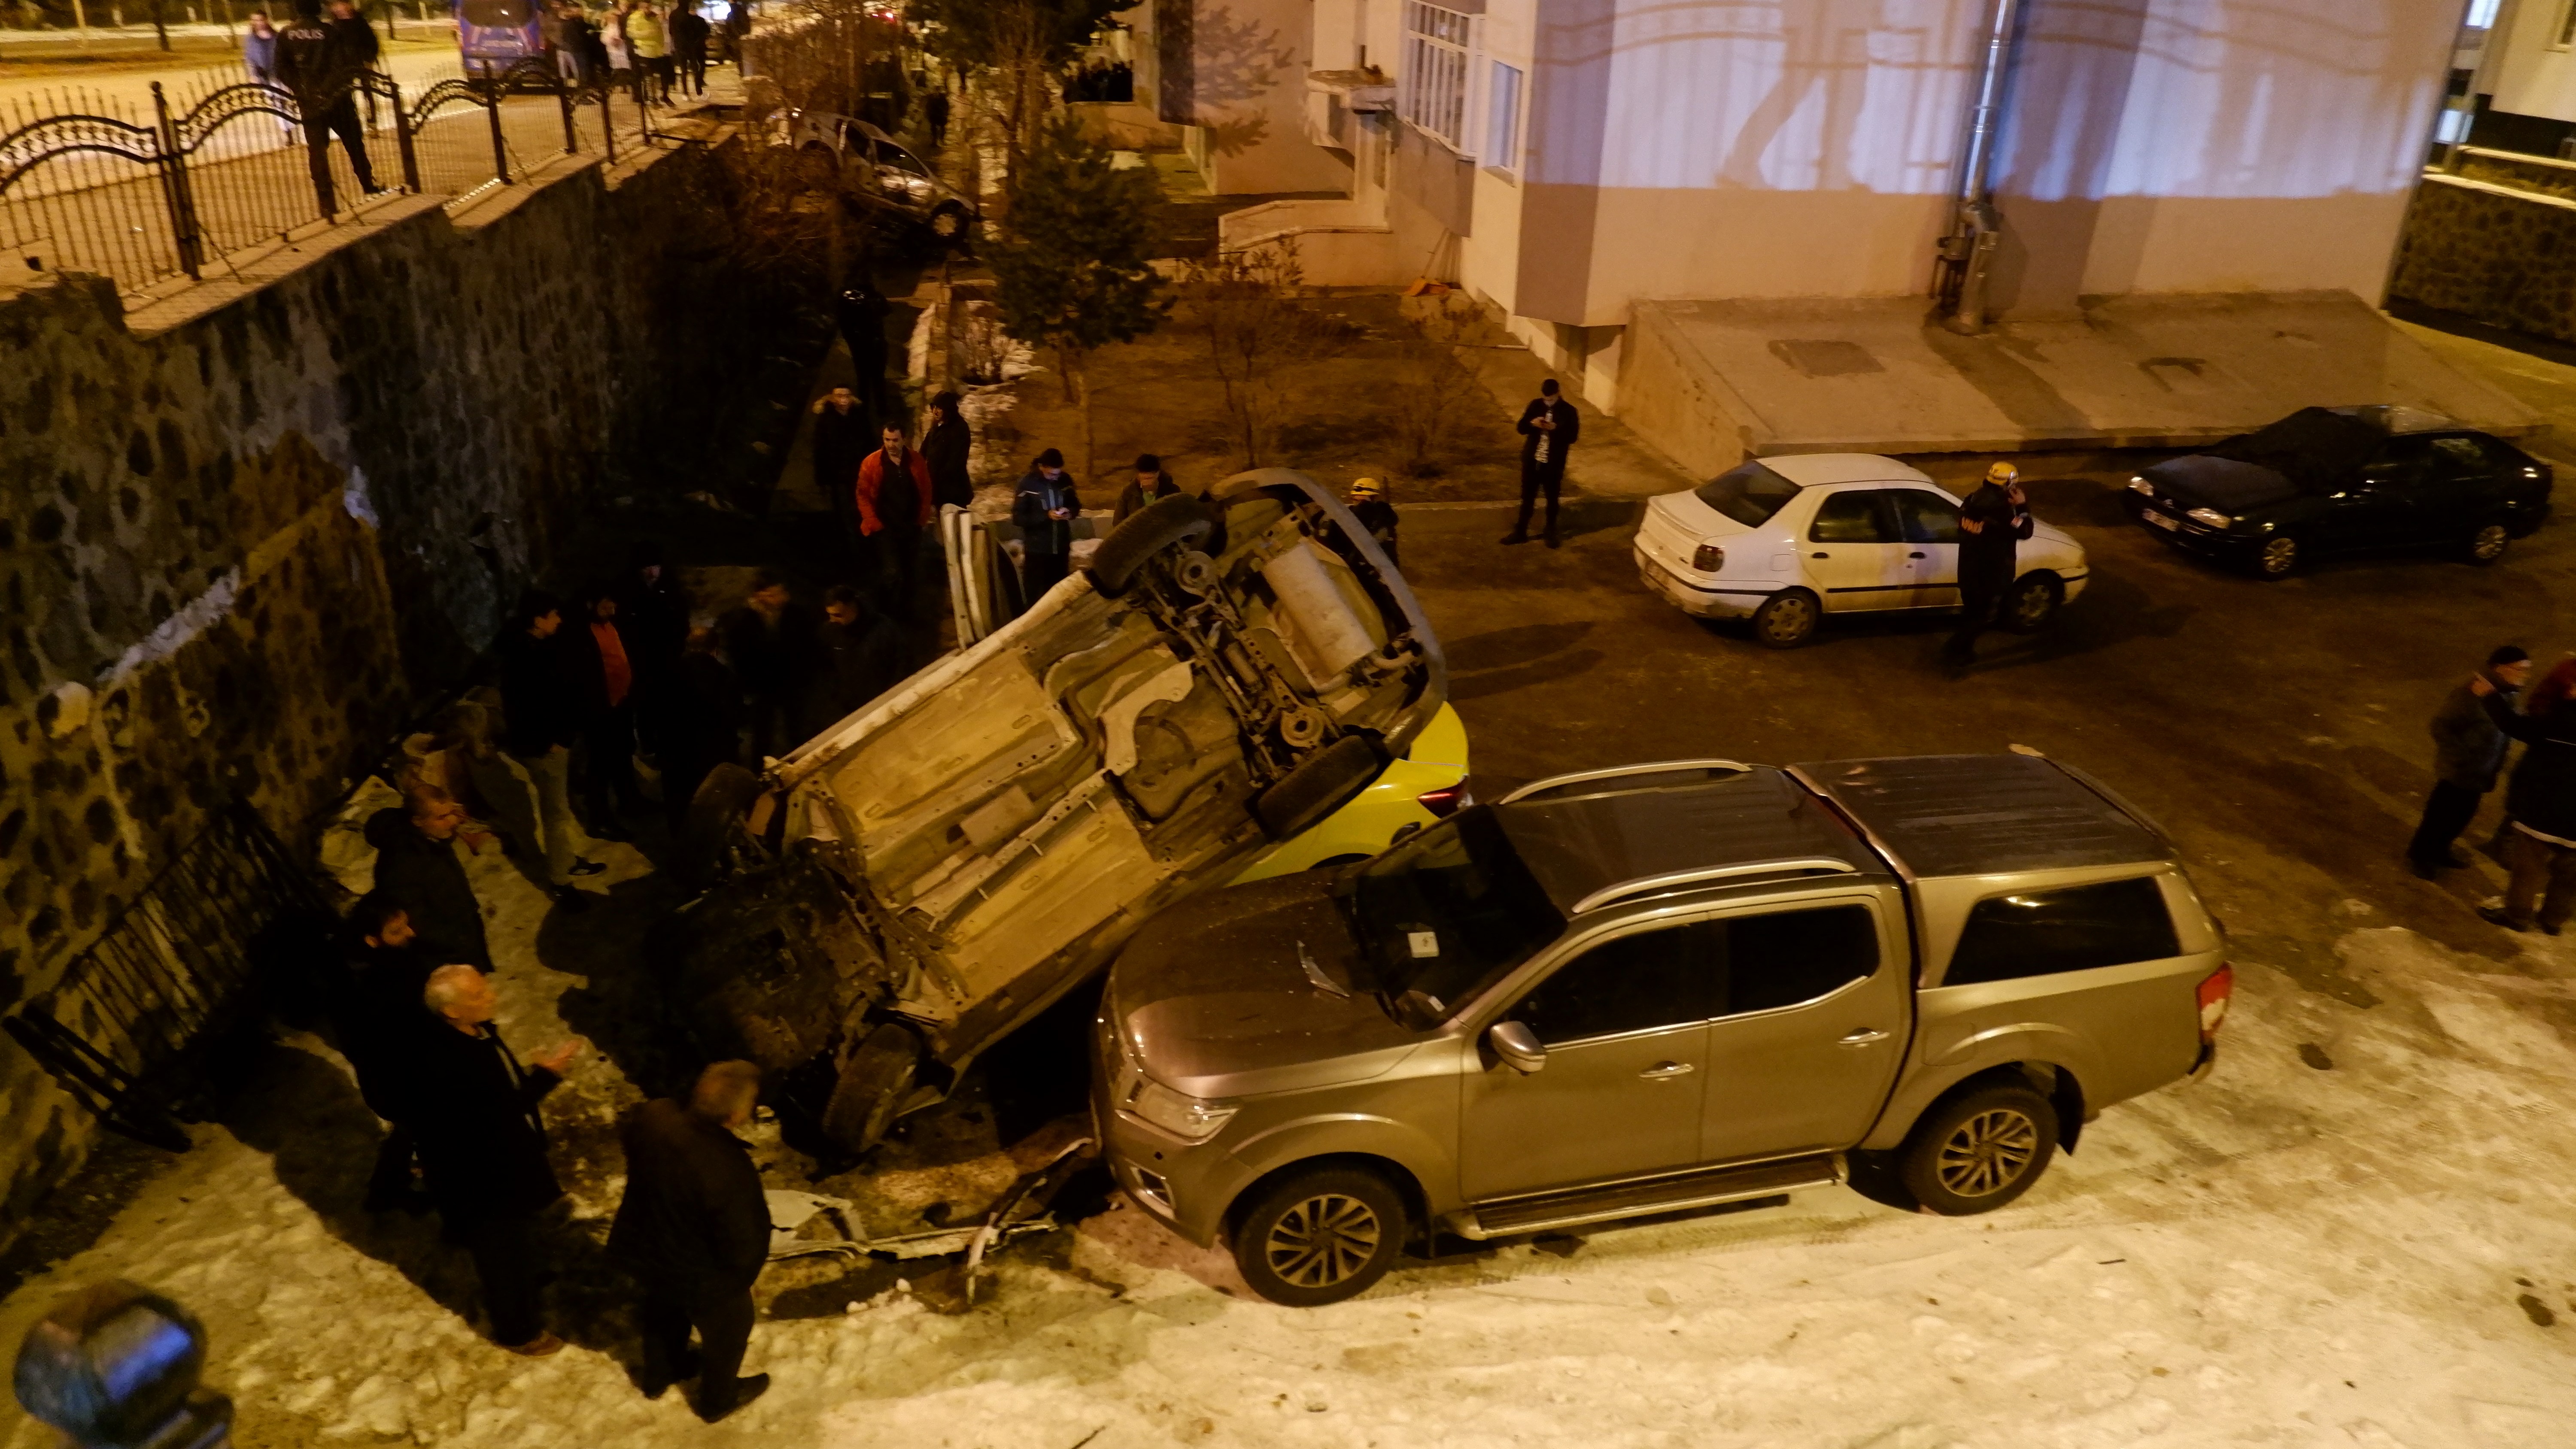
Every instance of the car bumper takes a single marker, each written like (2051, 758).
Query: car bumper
(1731, 601)
(1185, 1187)
(2192, 537)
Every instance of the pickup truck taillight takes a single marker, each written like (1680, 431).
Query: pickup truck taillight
(2215, 989)
(1443, 803)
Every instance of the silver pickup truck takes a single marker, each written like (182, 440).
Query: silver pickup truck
(1640, 990)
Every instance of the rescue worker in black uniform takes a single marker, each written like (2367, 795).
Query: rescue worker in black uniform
(1376, 514)
(318, 62)
(1991, 522)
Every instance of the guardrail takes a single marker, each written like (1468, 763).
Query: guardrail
(89, 183)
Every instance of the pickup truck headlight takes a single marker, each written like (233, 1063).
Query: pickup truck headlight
(1189, 1118)
(2213, 518)
(2141, 485)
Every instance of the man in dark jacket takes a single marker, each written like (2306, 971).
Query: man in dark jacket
(705, 728)
(2468, 753)
(1151, 483)
(653, 618)
(947, 447)
(858, 650)
(1044, 508)
(770, 640)
(2540, 800)
(842, 441)
(380, 1018)
(1994, 519)
(694, 1230)
(541, 705)
(604, 670)
(318, 63)
(483, 1148)
(689, 42)
(861, 312)
(1549, 427)
(416, 864)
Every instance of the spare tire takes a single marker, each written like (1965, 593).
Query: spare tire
(1121, 560)
(1323, 784)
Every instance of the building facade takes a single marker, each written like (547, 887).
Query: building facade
(1566, 159)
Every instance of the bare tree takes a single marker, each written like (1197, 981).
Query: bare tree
(1250, 309)
(1436, 380)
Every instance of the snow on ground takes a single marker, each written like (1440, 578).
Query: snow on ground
(2357, 1233)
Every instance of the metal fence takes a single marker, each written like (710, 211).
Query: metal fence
(230, 164)
(130, 1028)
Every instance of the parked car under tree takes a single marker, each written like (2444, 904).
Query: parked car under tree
(2344, 480)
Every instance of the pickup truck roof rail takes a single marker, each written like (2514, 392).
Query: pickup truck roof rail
(1589, 777)
(1673, 880)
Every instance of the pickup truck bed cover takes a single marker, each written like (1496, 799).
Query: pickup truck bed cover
(1968, 815)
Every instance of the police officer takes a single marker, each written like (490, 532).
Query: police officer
(1370, 506)
(1995, 517)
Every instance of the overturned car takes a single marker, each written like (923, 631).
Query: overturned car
(1240, 685)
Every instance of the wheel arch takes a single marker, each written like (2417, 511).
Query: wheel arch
(1400, 1176)
(2062, 1084)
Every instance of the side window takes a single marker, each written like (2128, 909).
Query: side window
(1796, 956)
(2040, 933)
(1851, 517)
(2459, 458)
(2501, 456)
(1923, 516)
(2399, 460)
(1635, 983)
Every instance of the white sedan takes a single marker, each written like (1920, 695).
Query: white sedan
(1786, 541)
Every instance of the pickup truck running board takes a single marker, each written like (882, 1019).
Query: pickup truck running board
(1637, 1197)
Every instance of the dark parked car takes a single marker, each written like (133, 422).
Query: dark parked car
(2336, 480)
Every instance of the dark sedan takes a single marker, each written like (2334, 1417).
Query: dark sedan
(2339, 480)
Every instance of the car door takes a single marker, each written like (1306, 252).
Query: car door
(2459, 491)
(2380, 507)
(1927, 520)
(901, 176)
(1853, 554)
(1806, 1045)
(1625, 1024)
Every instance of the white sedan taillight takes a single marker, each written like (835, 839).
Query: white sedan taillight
(1708, 558)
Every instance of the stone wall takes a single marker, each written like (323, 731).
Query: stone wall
(2495, 242)
(243, 538)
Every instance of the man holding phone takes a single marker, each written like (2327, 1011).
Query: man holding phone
(1991, 522)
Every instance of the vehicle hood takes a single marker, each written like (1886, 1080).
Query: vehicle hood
(2226, 484)
(1213, 998)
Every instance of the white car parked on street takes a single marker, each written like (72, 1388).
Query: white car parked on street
(1786, 541)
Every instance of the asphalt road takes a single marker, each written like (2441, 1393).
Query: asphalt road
(2277, 730)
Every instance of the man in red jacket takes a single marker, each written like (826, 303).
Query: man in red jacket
(894, 506)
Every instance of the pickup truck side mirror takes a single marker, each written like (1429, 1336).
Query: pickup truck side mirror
(1517, 1045)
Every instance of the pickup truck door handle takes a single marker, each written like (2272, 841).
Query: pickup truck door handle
(1666, 1071)
(1863, 1036)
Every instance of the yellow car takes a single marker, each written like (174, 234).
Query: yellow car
(1239, 685)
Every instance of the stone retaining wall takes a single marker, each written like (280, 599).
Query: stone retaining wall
(241, 543)
(2496, 242)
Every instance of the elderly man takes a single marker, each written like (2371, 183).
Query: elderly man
(473, 1108)
(416, 864)
(694, 1229)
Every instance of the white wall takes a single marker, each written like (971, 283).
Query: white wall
(2533, 79)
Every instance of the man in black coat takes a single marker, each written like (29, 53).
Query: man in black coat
(770, 640)
(317, 62)
(653, 615)
(2540, 801)
(2468, 753)
(705, 725)
(844, 435)
(541, 705)
(694, 1230)
(1044, 508)
(689, 32)
(857, 650)
(380, 1018)
(1994, 519)
(1152, 485)
(1549, 427)
(473, 1108)
(416, 864)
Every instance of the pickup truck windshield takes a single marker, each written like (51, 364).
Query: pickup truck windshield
(1449, 910)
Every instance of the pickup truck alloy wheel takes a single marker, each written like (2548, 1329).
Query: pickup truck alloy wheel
(2278, 557)
(1786, 619)
(1319, 1237)
(1980, 1150)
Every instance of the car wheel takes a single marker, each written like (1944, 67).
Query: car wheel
(1319, 1236)
(1159, 525)
(873, 1082)
(1786, 620)
(2487, 544)
(948, 223)
(1980, 1150)
(717, 835)
(2033, 603)
(2277, 558)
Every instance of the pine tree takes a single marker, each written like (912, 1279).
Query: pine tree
(1076, 270)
